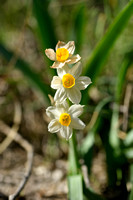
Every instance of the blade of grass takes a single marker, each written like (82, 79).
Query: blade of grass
(75, 187)
(128, 145)
(90, 194)
(101, 52)
(99, 56)
(128, 142)
(24, 67)
(131, 194)
(45, 26)
(73, 156)
(113, 134)
(78, 26)
(131, 180)
(121, 78)
(86, 148)
(129, 153)
(45, 23)
(114, 142)
(111, 165)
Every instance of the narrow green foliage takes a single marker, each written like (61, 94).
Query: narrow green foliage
(75, 187)
(90, 194)
(128, 142)
(24, 67)
(131, 194)
(87, 143)
(131, 181)
(45, 23)
(45, 26)
(73, 156)
(86, 148)
(113, 135)
(78, 26)
(128, 145)
(121, 78)
(99, 56)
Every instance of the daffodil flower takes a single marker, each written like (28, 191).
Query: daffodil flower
(69, 83)
(64, 119)
(64, 54)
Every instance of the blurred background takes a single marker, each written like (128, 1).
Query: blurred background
(27, 28)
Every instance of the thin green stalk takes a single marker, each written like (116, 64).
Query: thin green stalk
(73, 156)
(75, 177)
(121, 78)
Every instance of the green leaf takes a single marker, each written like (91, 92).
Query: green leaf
(113, 134)
(128, 141)
(111, 150)
(87, 143)
(45, 23)
(86, 148)
(121, 78)
(131, 194)
(73, 156)
(89, 140)
(45, 26)
(131, 181)
(75, 187)
(102, 50)
(129, 153)
(90, 194)
(24, 67)
(78, 26)
(97, 60)
(127, 145)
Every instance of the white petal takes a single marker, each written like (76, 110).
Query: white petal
(63, 106)
(54, 126)
(60, 95)
(63, 70)
(74, 95)
(70, 46)
(75, 110)
(76, 70)
(73, 59)
(56, 82)
(57, 64)
(52, 112)
(50, 54)
(66, 132)
(76, 123)
(83, 82)
(60, 44)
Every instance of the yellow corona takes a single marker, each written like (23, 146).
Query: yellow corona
(68, 81)
(62, 54)
(65, 119)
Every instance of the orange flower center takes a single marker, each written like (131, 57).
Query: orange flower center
(65, 119)
(68, 81)
(62, 54)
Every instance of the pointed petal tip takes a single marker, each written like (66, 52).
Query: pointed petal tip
(46, 50)
(50, 53)
(57, 64)
(53, 67)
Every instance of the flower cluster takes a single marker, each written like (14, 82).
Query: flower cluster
(67, 84)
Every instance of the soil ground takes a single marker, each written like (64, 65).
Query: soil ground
(45, 183)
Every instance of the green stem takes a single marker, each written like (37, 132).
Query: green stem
(73, 156)
(131, 181)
